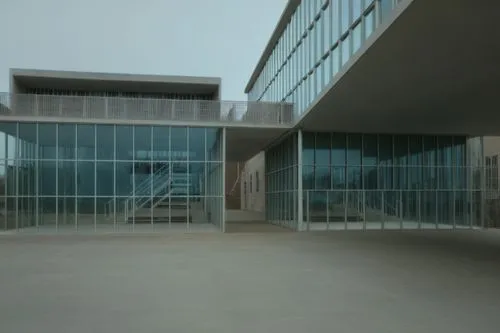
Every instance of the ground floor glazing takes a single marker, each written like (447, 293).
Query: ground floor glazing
(332, 181)
(68, 176)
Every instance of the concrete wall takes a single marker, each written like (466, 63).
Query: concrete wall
(233, 185)
(253, 194)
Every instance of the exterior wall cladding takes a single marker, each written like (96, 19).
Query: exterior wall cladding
(331, 181)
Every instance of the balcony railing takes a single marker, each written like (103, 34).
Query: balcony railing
(148, 109)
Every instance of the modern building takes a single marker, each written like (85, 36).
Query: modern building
(361, 114)
(391, 107)
(89, 151)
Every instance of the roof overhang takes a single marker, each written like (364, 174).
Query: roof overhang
(88, 81)
(433, 67)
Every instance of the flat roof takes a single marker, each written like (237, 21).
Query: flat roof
(93, 81)
(278, 31)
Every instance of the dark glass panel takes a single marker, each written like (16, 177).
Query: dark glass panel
(85, 178)
(105, 179)
(124, 142)
(86, 142)
(105, 142)
(66, 141)
(161, 143)
(142, 143)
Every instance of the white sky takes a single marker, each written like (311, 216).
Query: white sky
(222, 38)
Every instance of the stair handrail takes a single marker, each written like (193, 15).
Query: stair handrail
(142, 185)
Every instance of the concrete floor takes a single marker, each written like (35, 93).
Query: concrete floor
(411, 281)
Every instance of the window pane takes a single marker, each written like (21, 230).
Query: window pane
(161, 143)
(338, 149)
(85, 178)
(47, 141)
(356, 38)
(346, 52)
(356, 9)
(197, 144)
(67, 136)
(345, 19)
(124, 142)
(105, 142)
(369, 23)
(322, 151)
(142, 137)
(86, 142)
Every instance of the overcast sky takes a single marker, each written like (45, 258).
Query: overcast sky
(222, 38)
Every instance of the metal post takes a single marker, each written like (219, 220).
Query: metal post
(308, 217)
(223, 179)
(114, 178)
(37, 214)
(76, 177)
(16, 168)
(95, 178)
(327, 210)
(300, 200)
(483, 182)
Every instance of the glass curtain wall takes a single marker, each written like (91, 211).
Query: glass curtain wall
(117, 177)
(318, 41)
(370, 181)
(281, 183)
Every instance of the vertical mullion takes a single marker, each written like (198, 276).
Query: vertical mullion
(17, 166)
(133, 178)
(152, 175)
(95, 177)
(57, 175)
(37, 217)
(114, 177)
(223, 180)
(76, 177)
(188, 178)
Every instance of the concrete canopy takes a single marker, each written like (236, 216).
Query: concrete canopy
(432, 67)
(87, 81)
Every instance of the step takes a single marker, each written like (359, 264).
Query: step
(160, 219)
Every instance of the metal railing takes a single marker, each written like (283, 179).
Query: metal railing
(145, 109)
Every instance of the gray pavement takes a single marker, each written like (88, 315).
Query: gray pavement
(432, 281)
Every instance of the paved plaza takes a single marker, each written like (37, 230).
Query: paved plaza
(392, 281)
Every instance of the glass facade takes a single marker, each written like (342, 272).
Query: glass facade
(319, 39)
(121, 177)
(372, 181)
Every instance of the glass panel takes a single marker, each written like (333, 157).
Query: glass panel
(161, 143)
(385, 8)
(322, 151)
(27, 136)
(86, 142)
(346, 51)
(85, 178)
(105, 179)
(47, 141)
(66, 141)
(66, 178)
(356, 9)
(369, 23)
(105, 142)
(345, 19)
(196, 144)
(47, 178)
(356, 38)
(354, 160)
(142, 144)
(124, 178)
(124, 142)
(308, 149)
